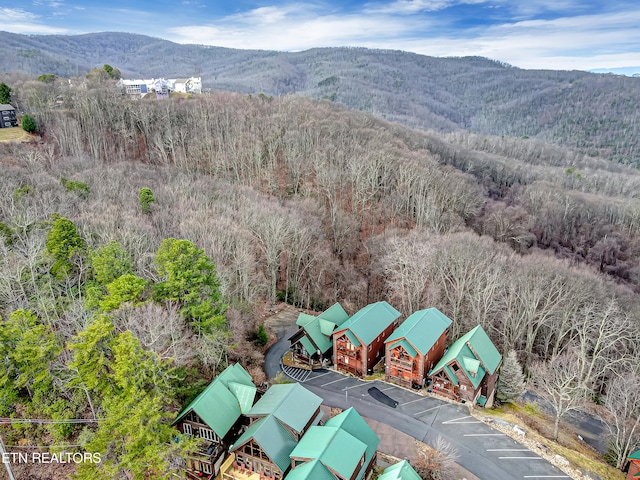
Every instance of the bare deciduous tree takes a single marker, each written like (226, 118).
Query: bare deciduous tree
(623, 404)
(559, 382)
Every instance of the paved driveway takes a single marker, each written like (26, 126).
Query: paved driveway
(484, 451)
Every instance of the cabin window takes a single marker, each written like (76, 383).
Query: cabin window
(206, 468)
(208, 434)
(455, 367)
(187, 429)
(463, 387)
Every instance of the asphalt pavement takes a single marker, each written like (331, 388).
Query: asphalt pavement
(484, 451)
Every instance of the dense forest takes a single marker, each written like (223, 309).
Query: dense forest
(140, 238)
(595, 113)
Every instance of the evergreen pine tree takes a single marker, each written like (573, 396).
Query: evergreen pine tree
(511, 381)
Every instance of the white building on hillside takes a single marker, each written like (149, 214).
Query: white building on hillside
(186, 85)
(160, 86)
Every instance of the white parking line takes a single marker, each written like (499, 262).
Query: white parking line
(455, 420)
(546, 476)
(520, 458)
(335, 381)
(508, 450)
(483, 435)
(412, 401)
(385, 389)
(356, 386)
(427, 410)
(321, 375)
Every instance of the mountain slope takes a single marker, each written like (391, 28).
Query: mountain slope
(593, 112)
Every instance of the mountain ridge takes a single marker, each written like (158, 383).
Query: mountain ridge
(595, 113)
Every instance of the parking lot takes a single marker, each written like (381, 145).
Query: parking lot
(484, 451)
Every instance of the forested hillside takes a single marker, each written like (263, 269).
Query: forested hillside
(596, 113)
(284, 199)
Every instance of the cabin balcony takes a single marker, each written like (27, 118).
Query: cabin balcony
(348, 352)
(232, 469)
(404, 363)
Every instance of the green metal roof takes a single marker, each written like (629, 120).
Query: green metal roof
(351, 421)
(406, 345)
(450, 374)
(635, 455)
(370, 321)
(352, 338)
(304, 318)
(319, 329)
(335, 314)
(313, 470)
(461, 351)
(290, 403)
(399, 471)
(274, 440)
(326, 327)
(482, 400)
(218, 405)
(470, 363)
(422, 329)
(337, 449)
(244, 393)
(308, 346)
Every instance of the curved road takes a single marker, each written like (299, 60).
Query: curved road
(484, 451)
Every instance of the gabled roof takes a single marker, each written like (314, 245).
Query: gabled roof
(370, 321)
(399, 471)
(337, 446)
(320, 328)
(635, 455)
(334, 314)
(351, 421)
(274, 440)
(290, 403)
(422, 329)
(406, 345)
(311, 326)
(313, 470)
(221, 403)
(334, 447)
(474, 353)
(6, 106)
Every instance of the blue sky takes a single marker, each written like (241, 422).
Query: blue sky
(555, 34)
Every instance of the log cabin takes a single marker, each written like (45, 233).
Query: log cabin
(415, 346)
(343, 448)
(313, 342)
(214, 416)
(277, 423)
(468, 371)
(358, 344)
(634, 466)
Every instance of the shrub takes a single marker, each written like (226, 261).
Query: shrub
(145, 197)
(29, 124)
(262, 337)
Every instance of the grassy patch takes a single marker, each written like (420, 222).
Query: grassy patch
(15, 134)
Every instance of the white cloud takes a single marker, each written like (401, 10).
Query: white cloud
(580, 42)
(18, 20)
(16, 14)
(294, 28)
(408, 7)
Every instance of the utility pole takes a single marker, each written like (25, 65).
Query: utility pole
(7, 464)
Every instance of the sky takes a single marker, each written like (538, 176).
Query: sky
(549, 34)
